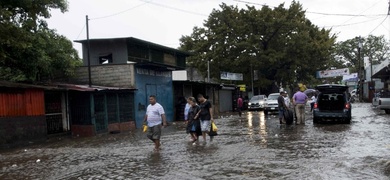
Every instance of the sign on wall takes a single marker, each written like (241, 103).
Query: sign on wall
(231, 76)
(332, 73)
(151, 72)
(242, 87)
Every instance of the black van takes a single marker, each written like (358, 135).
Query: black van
(332, 103)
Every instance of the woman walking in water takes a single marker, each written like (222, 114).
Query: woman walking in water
(193, 126)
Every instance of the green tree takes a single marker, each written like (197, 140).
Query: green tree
(374, 47)
(282, 44)
(29, 50)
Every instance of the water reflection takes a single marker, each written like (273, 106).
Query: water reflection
(259, 133)
(250, 125)
(263, 130)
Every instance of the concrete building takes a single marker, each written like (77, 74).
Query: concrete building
(133, 63)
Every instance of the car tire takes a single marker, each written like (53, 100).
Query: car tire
(315, 120)
(387, 111)
(348, 120)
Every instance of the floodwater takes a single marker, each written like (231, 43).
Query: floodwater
(252, 147)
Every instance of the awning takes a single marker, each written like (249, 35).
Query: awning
(382, 71)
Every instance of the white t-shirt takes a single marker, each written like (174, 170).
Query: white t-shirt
(154, 113)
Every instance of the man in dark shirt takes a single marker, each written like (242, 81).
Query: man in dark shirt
(282, 105)
(205, 116)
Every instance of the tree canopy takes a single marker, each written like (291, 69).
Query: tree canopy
(281, 44)
(374, 47)
(29, 50)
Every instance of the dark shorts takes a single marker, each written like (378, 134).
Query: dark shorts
(154, 133)
(281, 112)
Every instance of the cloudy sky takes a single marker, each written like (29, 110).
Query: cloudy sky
(165, 21)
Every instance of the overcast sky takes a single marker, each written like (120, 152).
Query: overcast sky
(165, 21)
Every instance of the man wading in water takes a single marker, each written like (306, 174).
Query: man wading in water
(154, 116)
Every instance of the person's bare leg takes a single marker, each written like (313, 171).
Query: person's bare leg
(156, 144)
(204, 136)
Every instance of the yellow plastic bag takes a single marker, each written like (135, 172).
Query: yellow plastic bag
(214, 127)
(145, 128)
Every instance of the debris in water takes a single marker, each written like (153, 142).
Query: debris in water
(38, 160)
(14, 165)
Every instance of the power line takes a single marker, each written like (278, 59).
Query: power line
(81, 32)
(362, 12)
(173, 8)
(341, 25)
(121, 12)
(378, 25)
(319, 13)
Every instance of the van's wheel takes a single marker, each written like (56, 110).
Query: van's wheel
(348, 120)
(315, 120)
(387, 111)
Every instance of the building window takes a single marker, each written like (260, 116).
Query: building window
(105, 58)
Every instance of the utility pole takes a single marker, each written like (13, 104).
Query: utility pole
(88, 55)
(208, 71)
(253, 92)
(360, 72)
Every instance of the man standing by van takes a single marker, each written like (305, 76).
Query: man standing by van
(299, 101)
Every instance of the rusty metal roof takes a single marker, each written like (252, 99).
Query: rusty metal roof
(25, 85)
(61, 86)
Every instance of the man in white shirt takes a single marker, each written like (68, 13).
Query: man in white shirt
(154, 116)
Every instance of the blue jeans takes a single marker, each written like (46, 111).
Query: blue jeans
(281, 112)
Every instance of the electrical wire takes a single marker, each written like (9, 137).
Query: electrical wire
(319, 13)
(82, 29)
(173, 8)
(362, 12)
(121, 12)
(341, 25)
(378, 25)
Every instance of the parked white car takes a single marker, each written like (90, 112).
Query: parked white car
(271, 104)
(381, 100)
(257, 102)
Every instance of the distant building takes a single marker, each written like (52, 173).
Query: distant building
(382, 72)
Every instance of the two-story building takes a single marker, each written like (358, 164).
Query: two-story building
(134, 64)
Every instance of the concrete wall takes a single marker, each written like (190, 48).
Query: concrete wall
(116, 47)
(226, 100)
(19, 130)
(116, 75)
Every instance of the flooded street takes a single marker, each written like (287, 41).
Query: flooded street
(252, 147)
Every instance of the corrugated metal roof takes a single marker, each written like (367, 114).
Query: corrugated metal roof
(76, 87)
(24, 85)
(60, 86)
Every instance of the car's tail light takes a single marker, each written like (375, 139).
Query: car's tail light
(347, 106)
(380, 102)
(315, 106)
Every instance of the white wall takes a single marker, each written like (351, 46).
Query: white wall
(179, 75)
